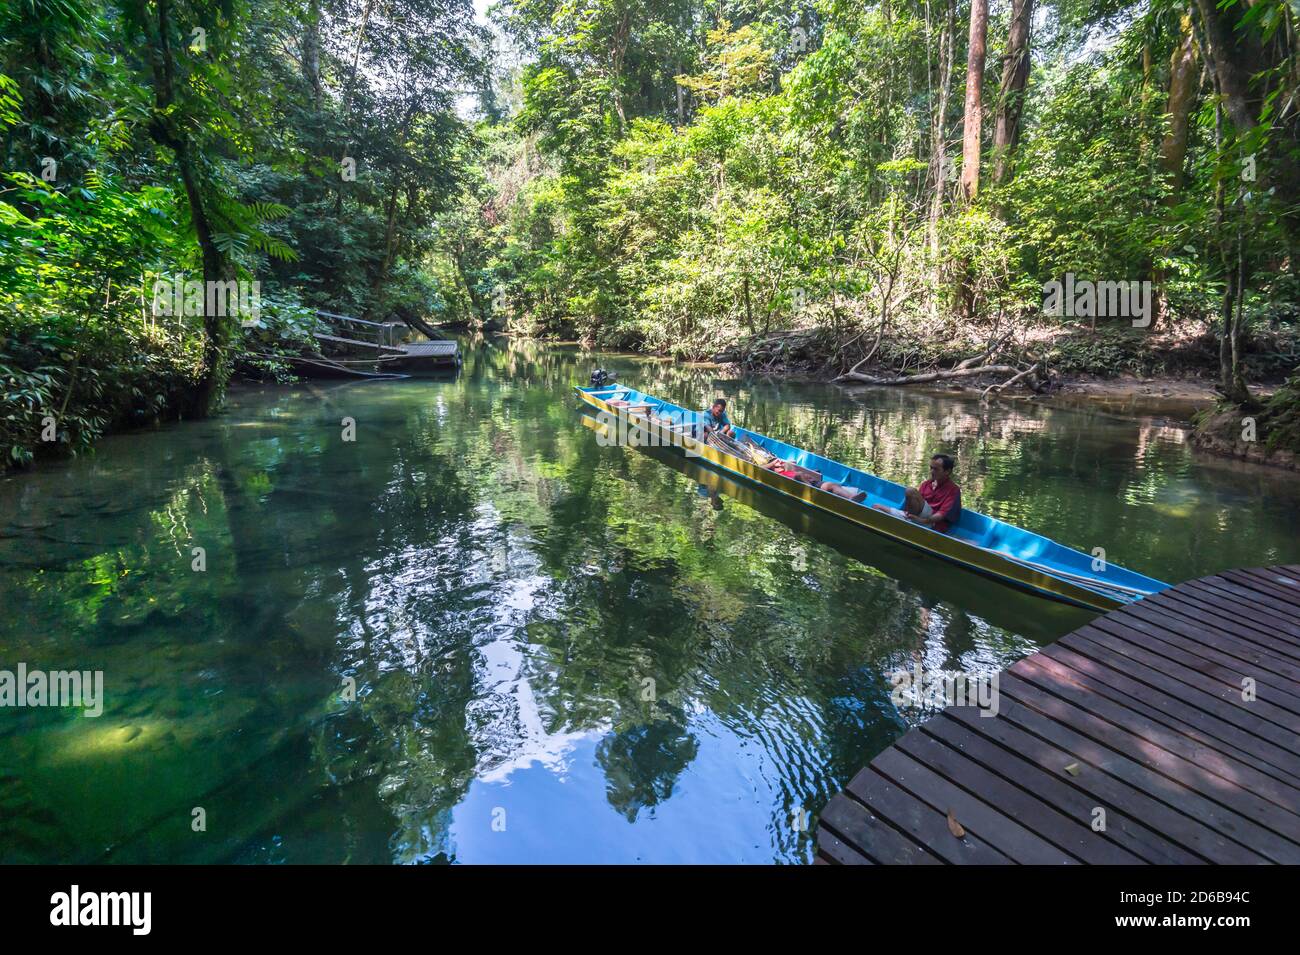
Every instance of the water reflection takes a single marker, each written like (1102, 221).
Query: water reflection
(560, 651)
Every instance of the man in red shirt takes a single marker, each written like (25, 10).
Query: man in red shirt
(942, 494)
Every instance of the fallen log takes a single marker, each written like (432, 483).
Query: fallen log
(930, 376)
(999, 388)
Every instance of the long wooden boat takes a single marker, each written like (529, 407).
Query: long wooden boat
(977, 542)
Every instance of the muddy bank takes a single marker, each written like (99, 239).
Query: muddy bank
(1177, 399)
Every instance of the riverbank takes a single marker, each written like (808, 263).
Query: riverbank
(1179, 399)
(1171, 372)
(1189, 403)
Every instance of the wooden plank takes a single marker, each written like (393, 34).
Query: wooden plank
(1210, 679)
(1066, 833)
(1213, 710)
(1139, 713)
(1181, 609)
(1189, 836)
(1262, 610)
(857, 826)
(429, 349)
(1205, 659)
(1126, 833)
(925, 825)
(1271, 585)
(1275, 668)
(349, 318)
(1189, 682)
(976, 816)
(1201, 814)
(1168, 711)
(356, 343)
(834, 851)
(1233, 594)
(1244, 603)
(1226, 781)
(1221, 618)
(1055, 677)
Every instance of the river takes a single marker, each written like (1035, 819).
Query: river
(472, 633)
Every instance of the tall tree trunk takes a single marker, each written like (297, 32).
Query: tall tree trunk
(970, 151)
(617, 55)
(1230, 57)
(1173, 148)
(1235, 54)
(1182, 91)
(1232, 382)
(938, 136)
(170, 130)
(1011, 97)
(681, 99)
(311, 48)
(347, 99)
(390, 231)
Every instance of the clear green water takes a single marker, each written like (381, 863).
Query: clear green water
(501, 588)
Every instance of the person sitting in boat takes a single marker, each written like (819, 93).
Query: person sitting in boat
(936, 503)
(814, 479)
(914, 505)
(715, 419)
(794, 472)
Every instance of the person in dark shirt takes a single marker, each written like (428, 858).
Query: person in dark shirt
(716, 418)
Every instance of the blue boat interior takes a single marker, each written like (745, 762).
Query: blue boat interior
(973, 528)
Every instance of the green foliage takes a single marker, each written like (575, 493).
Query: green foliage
(137, 148)
(62, 384)
(737, 63)
(1279, 423)
(1086, 197)
(815, 199)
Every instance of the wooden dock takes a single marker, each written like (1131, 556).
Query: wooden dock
(386, 357)
(416, 355)
(1174, 721)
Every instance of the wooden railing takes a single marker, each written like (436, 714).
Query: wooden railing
(360, 329)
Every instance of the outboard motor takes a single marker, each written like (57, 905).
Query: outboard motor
(600, 378)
